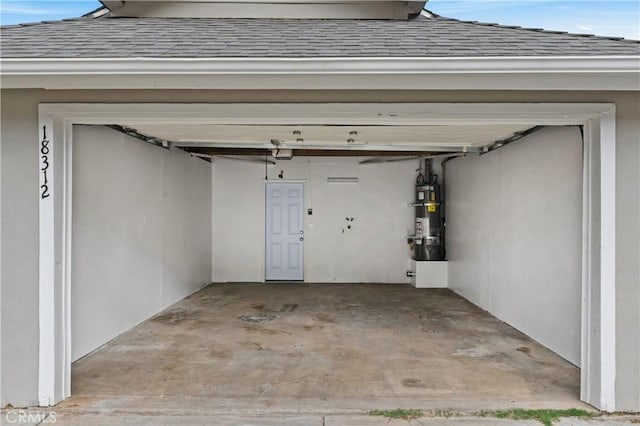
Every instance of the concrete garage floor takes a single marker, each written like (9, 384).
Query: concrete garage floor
(250, 349)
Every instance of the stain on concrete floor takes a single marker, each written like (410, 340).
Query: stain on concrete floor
(338, 341)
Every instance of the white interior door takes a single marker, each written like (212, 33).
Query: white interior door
(285, 231)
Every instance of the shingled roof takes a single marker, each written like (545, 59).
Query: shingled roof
(110, 37)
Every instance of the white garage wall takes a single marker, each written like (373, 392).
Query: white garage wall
(374, 250)
(141, 232)
(514, 231)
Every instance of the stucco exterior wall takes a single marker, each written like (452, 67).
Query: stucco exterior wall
(19, 240)
(514, 235)
(19, 232)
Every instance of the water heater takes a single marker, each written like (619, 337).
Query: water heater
(428, 236)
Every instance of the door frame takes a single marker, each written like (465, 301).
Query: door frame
(598, 347)
(304, 184)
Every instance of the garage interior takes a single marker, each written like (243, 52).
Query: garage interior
(174, 209)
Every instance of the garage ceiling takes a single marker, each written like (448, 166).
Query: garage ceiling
(404, 138)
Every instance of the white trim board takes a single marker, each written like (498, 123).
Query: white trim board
(317, 9)
(599, 280)
(47, 262)
(454, 73)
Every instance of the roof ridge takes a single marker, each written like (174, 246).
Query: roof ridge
(537, 30)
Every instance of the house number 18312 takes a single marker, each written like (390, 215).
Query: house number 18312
(44, 151)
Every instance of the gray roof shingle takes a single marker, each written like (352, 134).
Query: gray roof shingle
(110, 37)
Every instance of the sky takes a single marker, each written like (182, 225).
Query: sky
(617, 18)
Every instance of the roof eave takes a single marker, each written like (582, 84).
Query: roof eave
(510, 73)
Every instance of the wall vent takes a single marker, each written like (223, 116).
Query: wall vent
(343, 179)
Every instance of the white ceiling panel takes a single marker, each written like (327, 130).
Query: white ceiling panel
(453, 137)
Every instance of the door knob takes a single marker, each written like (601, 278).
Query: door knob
(301, 238)
(301, 232)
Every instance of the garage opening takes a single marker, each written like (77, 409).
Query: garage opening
(144, 217)
(161, 211)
